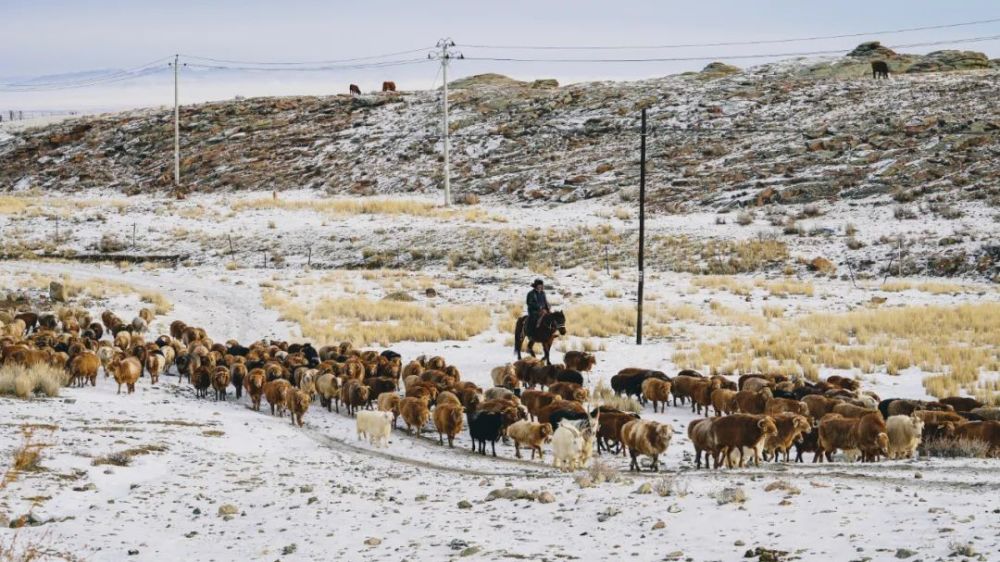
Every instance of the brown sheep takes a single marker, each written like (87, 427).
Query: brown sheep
(739, 432)
(682, 386)
(447, 397)
(532, 435)
(907, 407)
(254, 385)
(845, 383)
(499, 375)
(220, 382)
(985, 431)
(866, 434)
(83, 368)
(750, 402)
(415, 413)
(776, 406)
(928, 416)
(700, 434)
(851, 411)
(354, 395)
(448, 420)
(819, 405)
(545, 413)
(646, 437)
(412, 369)
(126, 371)
(569, 391)
(535, 400)
(297, 402)
(389, 402)
(756, 384)
(962, 403)
(579, 361)
(276, 393)
(328, 389)
(657, 391)
(701, 394)
(873, 437)
(724, 401)
(790, 428)
(609, 432)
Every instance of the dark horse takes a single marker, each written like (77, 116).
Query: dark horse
(551, 326)
(880, 69)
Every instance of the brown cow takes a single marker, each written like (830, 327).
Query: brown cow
(388, 86)
(880, 69)
(355, 90)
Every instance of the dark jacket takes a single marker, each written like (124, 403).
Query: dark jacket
(536, 302)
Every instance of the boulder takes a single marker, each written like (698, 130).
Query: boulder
(57, 291)
(720, 69)
(872, 49)
(545, 84)
(950, 60)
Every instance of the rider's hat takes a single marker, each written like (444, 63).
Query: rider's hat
(536, 283)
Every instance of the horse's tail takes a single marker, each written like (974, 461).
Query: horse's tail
(519, 336)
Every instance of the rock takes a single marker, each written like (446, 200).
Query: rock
(133, 551)
(782, 486)
(872, 49)
(289, 550)
(57, 291)
(905, 553)
(430, 292)
(608, 513)
(469, 551)
(373, 541)
(950, 60)
(228, 510)
(644, 488)
(603, 168)
(720, 69)
(659, 525)
(457, 544)
(464, 505)
(510, 494)
(545, 83)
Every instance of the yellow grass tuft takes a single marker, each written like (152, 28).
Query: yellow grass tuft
(367, 206)
(785, 287)
(722, 282)
(25, 382)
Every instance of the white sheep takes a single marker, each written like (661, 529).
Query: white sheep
(904, 435)
(376, 426)
(568, 447)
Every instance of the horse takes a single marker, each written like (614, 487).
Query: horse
(388, 86)
(355, 90)
(880, 69)
(551, 326)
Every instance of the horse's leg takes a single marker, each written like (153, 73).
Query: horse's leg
(547, 344)
(531, 347)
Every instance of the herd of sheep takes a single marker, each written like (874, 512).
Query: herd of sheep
(531, 403)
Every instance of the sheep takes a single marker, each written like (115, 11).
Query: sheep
(701, 394)
(629, 381)
(328, 389)
(238, 373)
(701, 436)
(83, 367)
(791, 427)
(989, 413)
(126, 371)
(569, 391)
(567, 447)
(220, 382)
(681, 387)
(904, 435)
(389, 402)
(985, 431)
(276, 392)
(535, 400)
(656, 391)
(610, 430)
(354, 395)
(752, 402)
(962, 403)
(775, 406)
(375, 426)
(415, 413)
(755, 384)
(579, 361)
(254, 385)
(724, 401)
(297, 402)
(447, 397)
(496, 393)
(483, 427)
(872, 437)
(500, 375)
(646, 437)
(819, 405)
(448, 421)
(569, 375)
(851, 434)
(532, 435)
(739, 432)
(851, 411)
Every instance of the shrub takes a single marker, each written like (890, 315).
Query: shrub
(25, 382)
(731, 495)
(745, 218)
(903, 213)
(810, 211)
(951, 447)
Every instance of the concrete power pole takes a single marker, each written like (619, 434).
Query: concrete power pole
(177, 127)
(444, 56)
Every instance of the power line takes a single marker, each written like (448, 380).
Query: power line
(732, 43)
(88, 79)
(305, 63)
(71, 86)
(729, 57)
(381, 64)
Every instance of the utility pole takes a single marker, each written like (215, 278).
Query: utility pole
(642, 227)
(444, 56)
(177, 126)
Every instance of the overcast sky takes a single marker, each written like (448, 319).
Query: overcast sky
(40, 37)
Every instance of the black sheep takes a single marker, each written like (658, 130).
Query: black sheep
(569, 375)
(483, 427)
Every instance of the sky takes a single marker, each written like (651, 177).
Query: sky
(55, 37)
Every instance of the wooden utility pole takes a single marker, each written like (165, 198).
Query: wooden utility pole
(642, 227)
(177, 126)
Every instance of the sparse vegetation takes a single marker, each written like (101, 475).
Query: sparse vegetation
(26, 382)
(124, 458)
(950, 447)
(365, 206)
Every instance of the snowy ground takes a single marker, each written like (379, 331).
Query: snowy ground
(317, 493)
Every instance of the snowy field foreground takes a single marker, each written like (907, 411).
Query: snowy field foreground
(219, 481)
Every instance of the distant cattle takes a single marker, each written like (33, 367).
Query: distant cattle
(355, 90)
(388, 86)
(880, 69)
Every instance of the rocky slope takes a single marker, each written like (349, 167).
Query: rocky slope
(790, 132)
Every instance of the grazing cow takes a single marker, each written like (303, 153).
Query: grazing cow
(448, 421)
(904, 435)
(276, 393)
(791, 427)
(880, 69)
(483, 427)
(388, 86)
(254, 384)
(739, 432)
(701, 436)
(355, 90)
(375, 426)
(646, 437)
(531, 435)
(656, 391)
(415, 413)
(297, 402)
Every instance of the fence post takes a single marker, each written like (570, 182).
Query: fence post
(265, 259)
(309, 260)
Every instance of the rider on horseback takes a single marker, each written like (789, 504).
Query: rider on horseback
(538, 306)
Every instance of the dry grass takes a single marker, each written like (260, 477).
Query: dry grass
(932, 287)
(362, 206)
(602, 321)
(728, 283)
(364, 321)
(24, 382)
(161, 305)
(27, 456)
(951, 447)
(786, 287)
(124, 458)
